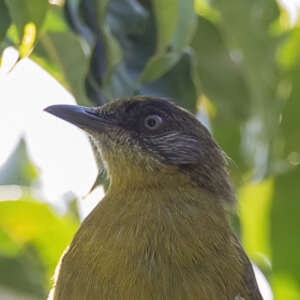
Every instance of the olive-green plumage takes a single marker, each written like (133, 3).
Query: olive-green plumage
(162, 230)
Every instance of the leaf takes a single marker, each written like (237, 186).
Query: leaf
(158, 65)
(290, 117)
(8, 246)
(255, 198)
(137, 37)
(72, 16)
(63, 53)
(177, 84)
(228, 135)
(29, 11)
(288, 51)
(28, 16)
(28, 40)
(36, 224)
(133, 27)
(113, 51)
(285, 230)
(222, 82)
(288, 57)
(204, 9)
(18, 169)
(166, 15)
(253, 47)
(5, 20)
(54, 20)
(109, 21)
(285, 287)
(24, 274)
(219, 77)
(175, 24)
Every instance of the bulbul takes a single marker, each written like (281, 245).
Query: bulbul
(162, 231)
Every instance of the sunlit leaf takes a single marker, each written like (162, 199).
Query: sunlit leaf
(285, 228)
(29, 11)
(255, 200)
(28, 39)
(54, 20)
(35, 223)
(289, 50)
(285, 287)
(8, 246)
(204, 9)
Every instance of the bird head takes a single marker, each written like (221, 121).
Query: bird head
(152, 141)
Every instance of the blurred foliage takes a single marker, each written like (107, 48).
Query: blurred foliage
(235, 64)
(18, 169)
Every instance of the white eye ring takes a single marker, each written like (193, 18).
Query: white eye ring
(153, 122)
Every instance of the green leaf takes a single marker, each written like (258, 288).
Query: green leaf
(245, 27)
(256, 232)
(228, 136)
(285, 230)
(290, 117)
(176, 84)
(186, 25)
(288, 57)
(117, 21)
(24, 274)
(54, 20)
(158, 65)
(34, 223)
(175, 25)
(220, 78)
(64, 57)
(289, 50)
(137, 36)
(7, 246)
(5, 20)
(204, 9)
(18, 169)
(113, 51)
(101, 11)
(166, 15)
(222, 82)
(285, 287)
(134, 28)
(29, 11)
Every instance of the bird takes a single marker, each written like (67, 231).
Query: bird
(162, 231)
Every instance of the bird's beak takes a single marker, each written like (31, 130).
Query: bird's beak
(83, 117)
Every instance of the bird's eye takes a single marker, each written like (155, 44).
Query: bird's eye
(153, 122)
